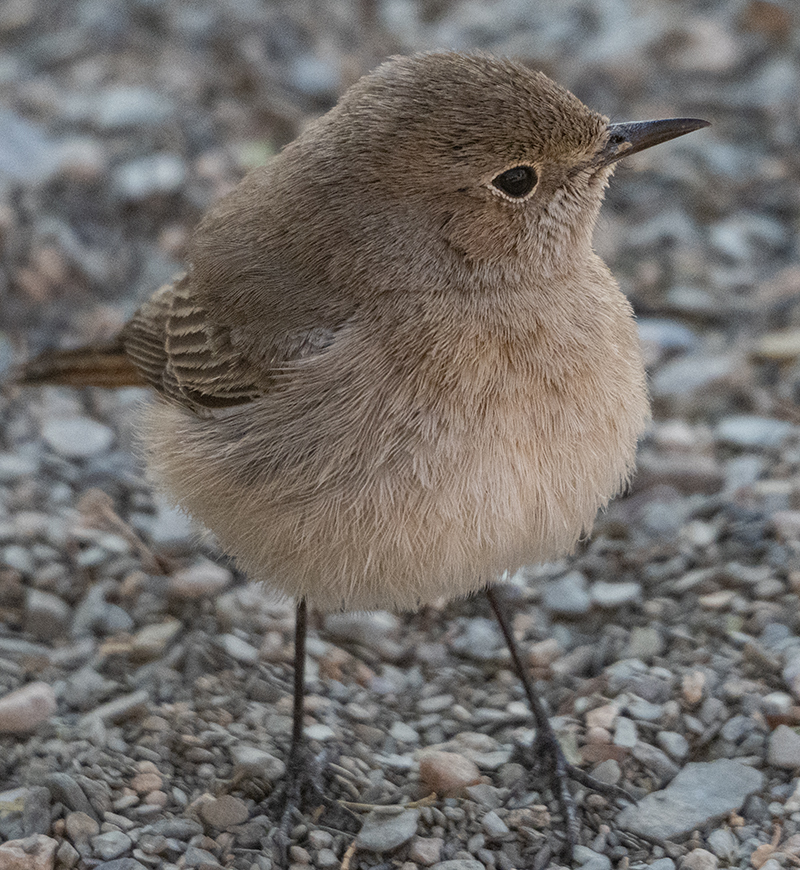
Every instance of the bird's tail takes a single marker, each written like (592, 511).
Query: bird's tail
(93, 365)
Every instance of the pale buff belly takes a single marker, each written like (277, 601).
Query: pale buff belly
(350, 518)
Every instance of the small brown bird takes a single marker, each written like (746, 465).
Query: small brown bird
(395, 367)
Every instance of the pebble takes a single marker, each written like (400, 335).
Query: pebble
(447, 773)
(459, 864)
(568, 595)
(201, 580)
(381, 832)
(493, 826)
(77, 437)
(674, 744)
(425, 850)
(238, 649)
(110, 845)
(81, 827)
(753, 433)
(613, 595)
(700, 794)
(225, 812)
(588, 859)
(153, 175)
(700, 859)
(783, 748)
(46, 615)
(32, 853)
(724, 844)
(625, 733)
(24, 709)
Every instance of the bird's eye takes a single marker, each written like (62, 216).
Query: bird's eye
(516, 182)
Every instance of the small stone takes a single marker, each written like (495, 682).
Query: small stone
(700, 859)
(608, 772)
(81, 827)
(404, 733)
(77, 437)
(447, 773)
(493, 826)
(46, 615)
(645, 643)
(24, 709)
(588, 859)
(543, 653)
(700, 794)
(723, 843)
(612, 595)
(151, 641)
(37, 852)
(238, 649)
(568, 595)
(459, 864)
(299, 855)
(602, 717)
(692, 687)
(257, 762)
(425, 850)
(153, 175)
(146, 782)
(327, 860)
(204, 579)
(753, 433)
(784, 748)
(625, 733)
(381, 832)
(320, 731)
(787, 525)
(674, 744)
(111, 845)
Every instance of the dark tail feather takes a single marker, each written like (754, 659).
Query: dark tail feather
(94, 365)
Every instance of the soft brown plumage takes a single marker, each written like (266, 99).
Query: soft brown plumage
(383, 380)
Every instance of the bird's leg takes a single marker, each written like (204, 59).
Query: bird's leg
(546, 748)
(302, 787)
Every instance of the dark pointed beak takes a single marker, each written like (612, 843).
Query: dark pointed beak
(626, 139)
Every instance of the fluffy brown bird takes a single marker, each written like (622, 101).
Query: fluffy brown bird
(395, 367)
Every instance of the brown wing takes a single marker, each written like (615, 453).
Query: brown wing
(184, 356)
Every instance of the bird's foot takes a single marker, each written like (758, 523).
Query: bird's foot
(545, 756)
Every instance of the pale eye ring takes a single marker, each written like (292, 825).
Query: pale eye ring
(516, 182)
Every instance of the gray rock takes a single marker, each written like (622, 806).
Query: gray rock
(123, 864)
(46, 615)
(724, 844)
(26, 154)
(692, 373)
(480, 640)
(238, 649)
(110, 845)
(662, 864)
(655, 760)
(588, 859)
(700, 859)
(459, 864)
(701, 793)
(154, 175)
(569, 595)
(666, 334)
(14, 467)
(122, 107)
(754, 433)
(77, 437)
(674, 744)
(611, 595)
(493, 826)
(784, 748)
(382, 832)
(63, 789)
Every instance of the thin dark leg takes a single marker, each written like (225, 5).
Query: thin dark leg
(546, 744)
(300, 628)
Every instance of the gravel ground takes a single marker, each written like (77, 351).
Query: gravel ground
(144, 687)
